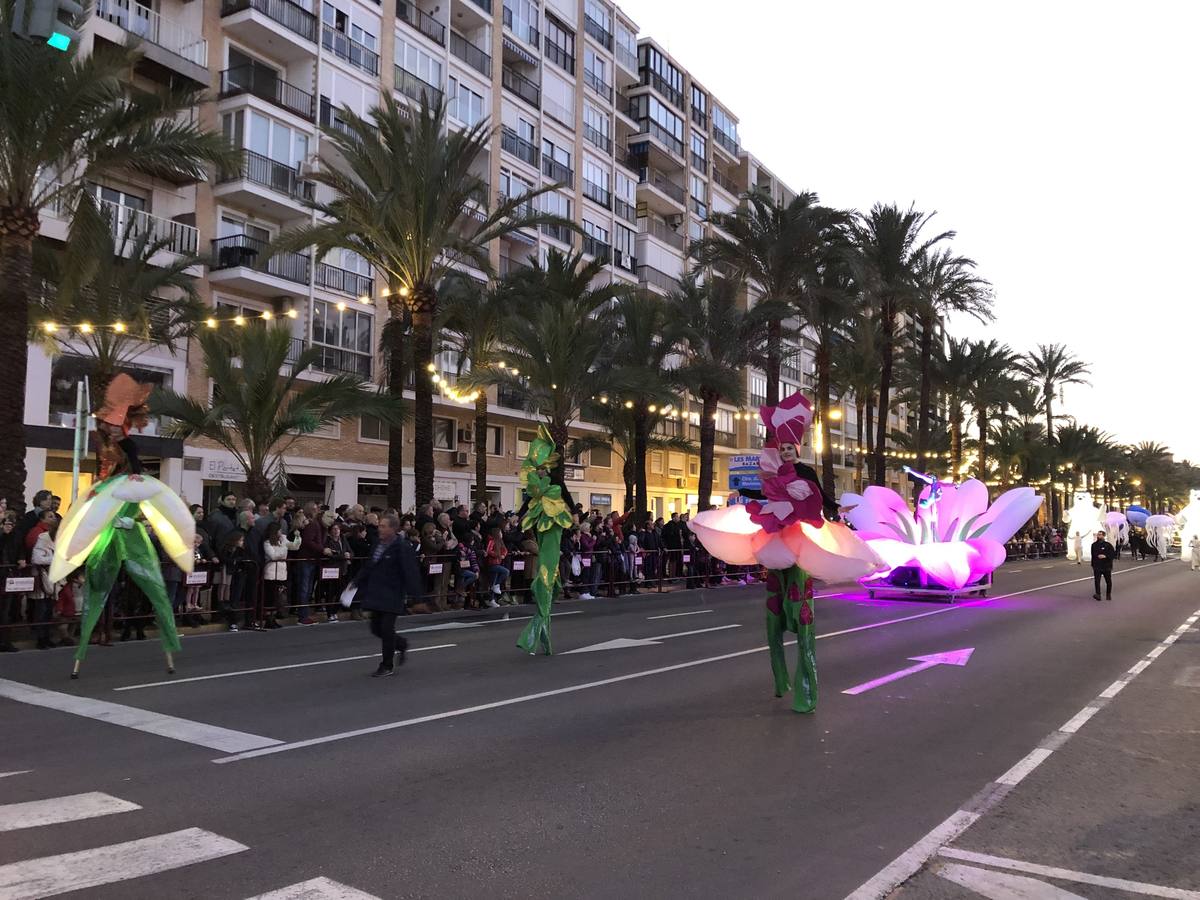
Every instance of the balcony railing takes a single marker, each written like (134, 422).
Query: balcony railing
(597, 138)
(656, 179)
(558, 112)
(627, 58)
(623, 260)
(152, 27)
(337, 361)
(625, 210)
(345, 47)
(511, 142)
(596, 83)
(291, 16)
(275, 175)
(598, 31)
(597, 194)
(526, 31)
(556, 170)
(509, 265)
(724, 181)
(646, 125)
(700, 118)
(264, 82)
(133, 223)
(559, 56)
(558, 232)
(726, 141)
(416, 88)
(672, 95)
(659, 229)
(508, 396)
(727, 438)
(422, 21)
(651, 275)
(521, 86)
(343, 281)
(699, 163)
(470, 54)
(597, 248)
(244, 250)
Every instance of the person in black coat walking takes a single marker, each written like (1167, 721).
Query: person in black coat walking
(1102, 564)
(383, 585)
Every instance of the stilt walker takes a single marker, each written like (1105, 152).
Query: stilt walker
(104, 530)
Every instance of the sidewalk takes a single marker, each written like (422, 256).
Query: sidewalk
(1108, 807)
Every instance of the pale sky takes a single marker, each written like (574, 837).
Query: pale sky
(1057, 138)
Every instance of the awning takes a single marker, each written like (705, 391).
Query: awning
(520, 52)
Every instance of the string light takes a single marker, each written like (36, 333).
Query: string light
(629, 404)
(210, 322)
(85, 327)
(291, 314)
(341, 307)
(266, 314)
(364, 299)
(431, 368)
(403, 291)
(239, 320)
(651, 408)
(603, 399)
(119, 328)
(50, 327)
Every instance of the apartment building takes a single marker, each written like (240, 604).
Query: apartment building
(642, 149)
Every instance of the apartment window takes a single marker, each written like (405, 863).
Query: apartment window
(699, 149)
(758, 390)
(371, 428)
(724, 420)
(513, 185)
(556, 152)
(660, 74)
(265, 136)
(699, 101)
(593, 230)
(596, 127)
(656, 462)
(624, 243)
(597, 67)
(445, 435)
(675, 464)
(695, 230)
(598, 13)
(648, 106)
(596, 174)
(626, 46)
(524, 439)
(464, 104)
(524, 19)
(417, 62)
(724, 125)
(601, 457)
(560, 44)
(698, 188)
(495, 440)
(347, 334)
(693, 466)
(232, 225)
(352, 262)
(339, 21)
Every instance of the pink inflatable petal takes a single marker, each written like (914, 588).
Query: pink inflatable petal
(959, 504)
(1008, 514)
(727, 533)
(880, 512)
(771, 551)
(832, 552)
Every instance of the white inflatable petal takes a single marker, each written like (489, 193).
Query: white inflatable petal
(80, 530)
(833, 552)
(173, 524)
(727, 533)
(1007, 515)
(772, 551)
(136, 488)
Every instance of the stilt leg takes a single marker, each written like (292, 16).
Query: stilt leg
(75, 670)
(170, 662)
(805, 698)
(779, 667)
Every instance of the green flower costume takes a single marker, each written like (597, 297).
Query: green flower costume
(546, 514)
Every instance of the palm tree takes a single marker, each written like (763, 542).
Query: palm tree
(104, 297)
(990, 389)
(951, 372)
(1052, 366)
(855, 370)
(1150, 463)
(945, 284)
(770, 245)
(718, 340)
(407, 196)
(66, 121)
(257, 414)
(890, 246)
(557, 347)
(646, 338)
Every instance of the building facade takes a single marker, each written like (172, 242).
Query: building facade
(642, 149)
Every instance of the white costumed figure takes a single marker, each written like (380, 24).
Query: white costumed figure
(1116, 528)
(1188, 520)
(1084, 520)
(1159, 532)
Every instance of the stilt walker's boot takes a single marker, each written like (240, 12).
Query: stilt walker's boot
(779, 667)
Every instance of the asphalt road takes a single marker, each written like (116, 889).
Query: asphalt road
(655, 770)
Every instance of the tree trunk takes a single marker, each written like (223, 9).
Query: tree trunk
(923, 413)
(827, 478)
(424, 302)
(859, 408)
(627, 476)
(641, 436)
(258, 486)
(708, 440)
(981, 421)
(774, 352)
(869, 428)
(1055, 512)
(887, 351)
(956, 429)
(17, 230)
(561, 436)
(396, 372)
(481, 446)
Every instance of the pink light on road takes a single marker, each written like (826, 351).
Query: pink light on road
(948, 658)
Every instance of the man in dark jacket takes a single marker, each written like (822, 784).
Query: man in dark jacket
(385, 582)
(1102, 564)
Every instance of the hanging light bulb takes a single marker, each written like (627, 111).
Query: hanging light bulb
(85, 327)
(603, 399)
(364, 299)
(403, 291)
(50, 327)
(437, 379)
(629, 404)
(341, 307)
(651, 408)
(119, 328)
(431, 368)
(238, 320)
(266, 314)
(291, 314)
(516, 372)
(210, 322)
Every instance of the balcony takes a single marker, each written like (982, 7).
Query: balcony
(292, 17)
(518, 84)
(509, 397)
(727, 438)
(336, 361)
(422, 21)
(182, 45)
(700, 119)
(597, 194)
(557, 171)
(699, 163)
(559, 56)
(596, 83)
(559, 233)
(598, 32)
(624, 261)
(727, 143)
(596, 138)
(262, 183)
(625, 210)
(463, 49)
(665, 196)
(558, 113)
(131, 224)
(526, 31)
(626, 58)
(415, 88)
(514, 144)
(343, 281)
(264, 82)
(509, 266)
(652, 277)
(346, 48)
(597, 248)
(238, 261)
(659, 229)
(671, 94)
(724, 182)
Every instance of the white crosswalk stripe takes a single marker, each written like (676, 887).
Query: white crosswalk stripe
(61, 809)
(316, 889)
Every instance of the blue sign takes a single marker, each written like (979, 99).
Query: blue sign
(750, 481)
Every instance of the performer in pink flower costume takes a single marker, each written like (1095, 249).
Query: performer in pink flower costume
(784, 529)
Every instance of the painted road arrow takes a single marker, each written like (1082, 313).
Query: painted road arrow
(949, 658)
(622, 643)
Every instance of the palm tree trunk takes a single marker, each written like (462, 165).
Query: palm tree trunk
(561, 436)
(774, 353)
(627, 476)
(708, 441)
(424, 301)
(1055, 512)
(258, 486)
(823, 378)
(982, 422)
(396, 372)
(481, 446)
(17, 230)
(641, 436)
(956, 430)
(869, 427)
(859, 408)
(923, 413)
(887, 352)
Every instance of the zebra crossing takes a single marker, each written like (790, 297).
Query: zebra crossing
(126, 861)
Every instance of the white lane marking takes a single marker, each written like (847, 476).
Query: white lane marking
(1047, 567)
(10, 774)
(1015, 571)
(1121, 884)
(316, 889)
(49, 876)
(1139, 667)
(1002, 885)
(185, 730)
(1076, 721)
(663, 637)
(1024, 767)
(1157, 651)
(911, 860)
(446, 626)
(316, 662)
(388, 726)
(61, 809)
(698, 612)
(1113, 689)
(625, 643)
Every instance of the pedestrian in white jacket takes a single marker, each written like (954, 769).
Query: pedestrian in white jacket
(1194, 546)
(45, 592)
(275, 574)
